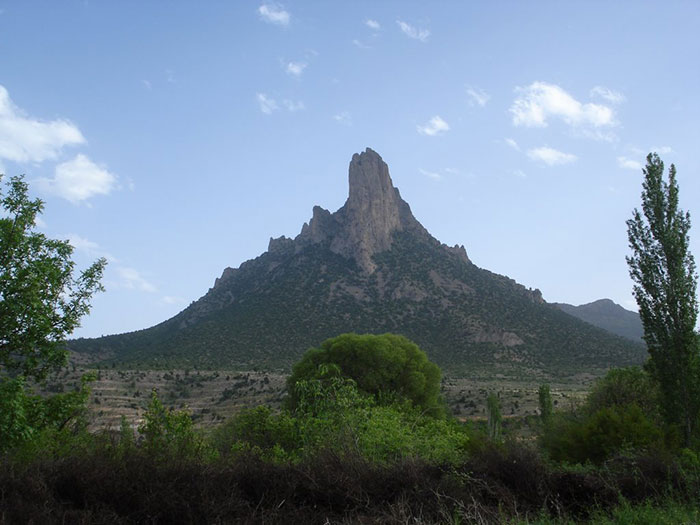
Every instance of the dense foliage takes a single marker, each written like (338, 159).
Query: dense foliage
(386, 366)
(41, 302)
(663, 270)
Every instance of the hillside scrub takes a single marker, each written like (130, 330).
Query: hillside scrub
(344, 455)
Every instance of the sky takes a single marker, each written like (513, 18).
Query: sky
(175, 138)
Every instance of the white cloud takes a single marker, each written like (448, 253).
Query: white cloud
(413, 32)
(477, 96)
(614, 97)
(433, 127)
(79, 179)
(452, 171)
(629, 164)
(373, 24)
(539, 101)
(662, 150)
(431, 174)
(295, 68)
(25, 139)
(88, 247)
(344, 118)
(550, 156)
(39, 222)
(293, 106)
(274, 13)
(267, 104)
(520, 173)
(512, 144)
(147, 84)
(170, 76)
(131, 279)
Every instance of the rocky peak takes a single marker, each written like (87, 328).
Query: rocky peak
(372, 212)
(367, 221)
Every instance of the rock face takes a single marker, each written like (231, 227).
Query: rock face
(370, 267)
(366, 223)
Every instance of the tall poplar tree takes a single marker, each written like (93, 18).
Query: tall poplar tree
(664, 273)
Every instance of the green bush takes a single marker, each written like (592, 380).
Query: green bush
(598, 436)
(40, 425)
(170, 434)
(334, 415)
(386, 366)
(622, 387)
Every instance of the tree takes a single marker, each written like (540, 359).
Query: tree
(493, 408)
(545, 401)
(384, 366)
(41, 302)
(663, 270)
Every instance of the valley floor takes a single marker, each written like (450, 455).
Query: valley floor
(212, 396)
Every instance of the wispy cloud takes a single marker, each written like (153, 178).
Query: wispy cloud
(477, 96)
(88, 247)
(512, 144)
(431, 174)
(361, 44)
(551, 156)
(629, 164)
(614, 97)
(27, 139)
(147, 84)
(373, 24)
(295, 69)
(520, 174)
(79, 179)
(274, 13)
(170, 76)
(413, 32)
(344, 118)
(540, 101)
(435, 126)
(131, 279)
(662, 150)
(118, 275)
(267, 104)
(293, 106)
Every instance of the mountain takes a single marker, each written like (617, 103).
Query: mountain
(370, 267)
(609, 316)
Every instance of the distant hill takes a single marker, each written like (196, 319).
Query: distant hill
(609, 316)
(370, 267)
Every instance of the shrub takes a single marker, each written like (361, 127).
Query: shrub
(386, 366)
(170, 434)
(598, 436)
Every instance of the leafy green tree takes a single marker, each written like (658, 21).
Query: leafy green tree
(386, 366)
(41, 302)
(663, 270)
(622, 387)
(545, 401)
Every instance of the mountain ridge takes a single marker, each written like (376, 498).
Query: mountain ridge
(608, 315)
(369, 267)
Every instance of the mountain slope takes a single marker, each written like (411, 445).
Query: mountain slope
(609, 316)
(369, 267)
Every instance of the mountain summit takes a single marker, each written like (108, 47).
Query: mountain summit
(370, 267)
(366, 223)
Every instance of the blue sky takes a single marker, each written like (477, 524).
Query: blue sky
(176, 138)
